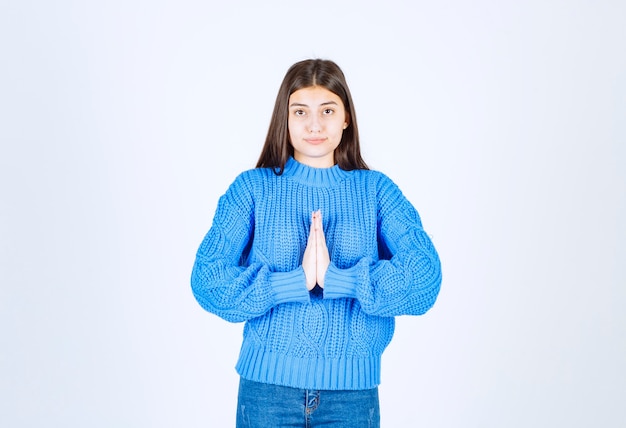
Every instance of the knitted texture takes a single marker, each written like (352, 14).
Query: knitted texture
(248, 268)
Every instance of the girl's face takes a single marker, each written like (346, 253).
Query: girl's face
(317, 118)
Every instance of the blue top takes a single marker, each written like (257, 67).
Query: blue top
(248, 268)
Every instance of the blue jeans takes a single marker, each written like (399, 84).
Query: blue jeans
(262, 405)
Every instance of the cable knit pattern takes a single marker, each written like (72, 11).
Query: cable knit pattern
(248, 268)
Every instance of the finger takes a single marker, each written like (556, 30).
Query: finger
(321, 250)
(321, 238)
(309, 257)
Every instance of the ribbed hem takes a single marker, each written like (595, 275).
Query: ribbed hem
(318, 177)
(308, 373)
(289, 286)
(340, 283)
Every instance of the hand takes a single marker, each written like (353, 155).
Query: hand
(308, 259)
(316, 258)
(322, 256)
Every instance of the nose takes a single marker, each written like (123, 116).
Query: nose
(314, 124)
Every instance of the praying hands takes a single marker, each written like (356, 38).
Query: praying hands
(316, 258)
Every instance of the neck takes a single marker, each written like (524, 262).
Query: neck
(321, 162)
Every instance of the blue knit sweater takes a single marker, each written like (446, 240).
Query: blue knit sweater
(248, 268)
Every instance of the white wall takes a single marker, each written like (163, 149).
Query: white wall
(122, 122)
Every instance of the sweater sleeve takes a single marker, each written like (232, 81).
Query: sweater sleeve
(222, 280)
(406, 278)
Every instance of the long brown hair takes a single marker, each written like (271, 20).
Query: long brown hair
(304, 74)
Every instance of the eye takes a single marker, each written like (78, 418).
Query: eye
(299, 113)
(328, 111)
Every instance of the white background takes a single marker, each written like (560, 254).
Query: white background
(122, 122)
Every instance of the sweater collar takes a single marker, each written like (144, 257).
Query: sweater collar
(321, 177)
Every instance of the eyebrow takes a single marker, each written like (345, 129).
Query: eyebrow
(327, 103)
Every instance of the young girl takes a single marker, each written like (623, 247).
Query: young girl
(316, 254)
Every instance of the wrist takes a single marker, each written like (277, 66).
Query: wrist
(340, 283)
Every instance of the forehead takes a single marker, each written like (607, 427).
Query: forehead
(313, 96)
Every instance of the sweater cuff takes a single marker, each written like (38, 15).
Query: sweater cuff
(340, 283)
(289, 286)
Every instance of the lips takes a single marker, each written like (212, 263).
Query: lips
(315, 141)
